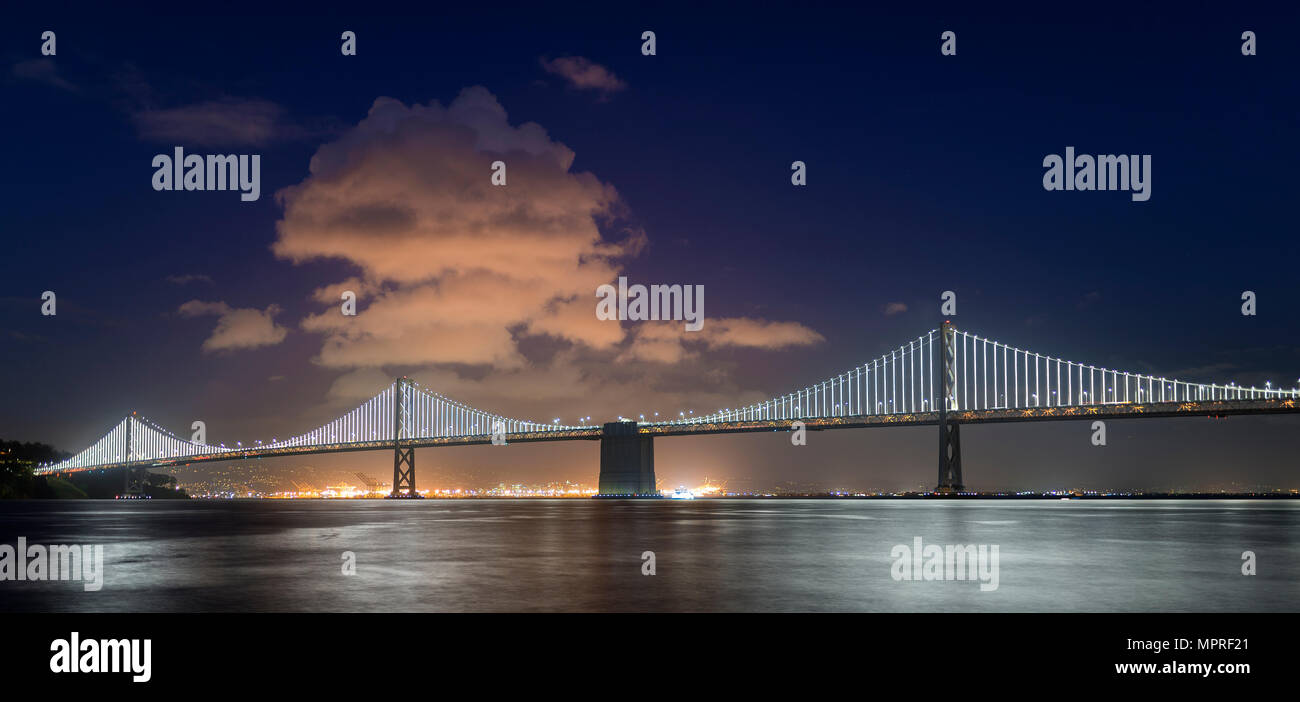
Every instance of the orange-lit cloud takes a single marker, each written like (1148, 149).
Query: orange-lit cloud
(584, 74)
(481, 288)
(247, 328)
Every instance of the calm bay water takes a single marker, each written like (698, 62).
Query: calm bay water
(710, 555)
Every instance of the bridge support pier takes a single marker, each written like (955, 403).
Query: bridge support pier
(404, 473)
(627, 462)
(950, 458)
(136, 481)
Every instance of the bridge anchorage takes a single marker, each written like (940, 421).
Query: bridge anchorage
(627, 462)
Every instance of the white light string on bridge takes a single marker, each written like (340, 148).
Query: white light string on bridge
(426, 415)
(434, 416)
(899, 382)
(992, 375)
(989, 375)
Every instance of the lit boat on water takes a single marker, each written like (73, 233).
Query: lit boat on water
(682, 493)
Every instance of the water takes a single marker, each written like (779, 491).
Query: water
(710, 555)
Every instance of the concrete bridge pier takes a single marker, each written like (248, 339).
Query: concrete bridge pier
(627, 462)
(137, 479)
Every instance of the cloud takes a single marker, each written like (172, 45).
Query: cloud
(894, 308)
(224, 122)
(485, 289)
(757, 333)
(184, 278)
(42, 71)
(669, 342)
(247, 328)
(583, 74)
(451, 264)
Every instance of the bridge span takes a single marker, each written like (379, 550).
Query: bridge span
(980, 381)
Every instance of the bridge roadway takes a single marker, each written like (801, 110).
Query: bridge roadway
(1150, 410)
(944, 363)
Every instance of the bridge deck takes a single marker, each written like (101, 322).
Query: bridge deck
(1210, 408)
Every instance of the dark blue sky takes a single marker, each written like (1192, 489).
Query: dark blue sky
(924, 175)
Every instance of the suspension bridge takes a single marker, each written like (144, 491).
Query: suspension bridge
(979, 380)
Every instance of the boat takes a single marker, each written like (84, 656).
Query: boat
(682, 493)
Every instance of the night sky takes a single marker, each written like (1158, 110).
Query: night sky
(924, 174)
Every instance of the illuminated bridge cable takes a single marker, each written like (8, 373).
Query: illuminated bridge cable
(983, 374)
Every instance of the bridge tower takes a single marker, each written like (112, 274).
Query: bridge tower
(403, 456)
(627, 462)
(949, 430)
(135, 479)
